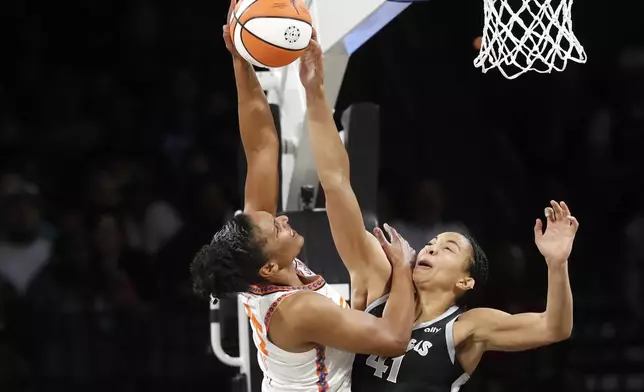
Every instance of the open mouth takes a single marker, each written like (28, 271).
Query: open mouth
(424, 264)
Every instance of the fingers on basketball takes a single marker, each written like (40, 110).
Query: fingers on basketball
(228, 40)
(231, 9)
(272, 34)
(314, 45)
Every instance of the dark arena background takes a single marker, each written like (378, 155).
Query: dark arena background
(120, 157)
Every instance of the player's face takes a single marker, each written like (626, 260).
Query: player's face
(282, 243)
(442, 264)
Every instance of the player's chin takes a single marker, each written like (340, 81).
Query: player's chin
(298, 241)
(421, 275)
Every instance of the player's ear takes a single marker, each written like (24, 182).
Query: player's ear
(268, 269)
(466, 283)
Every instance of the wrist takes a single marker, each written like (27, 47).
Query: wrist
(240, 64)
(401, 266)
(557, 264)
(315, 92)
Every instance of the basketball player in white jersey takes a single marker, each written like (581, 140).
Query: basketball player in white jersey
(304, 331)
(442, 352)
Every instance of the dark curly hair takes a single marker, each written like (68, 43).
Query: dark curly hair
(231, 262)
(478, 270)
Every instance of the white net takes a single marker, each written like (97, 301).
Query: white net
(528, 35)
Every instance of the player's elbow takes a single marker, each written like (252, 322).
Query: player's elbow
(334, 181)
(398, 346)
(388, 342)
(392, 346)
(549, 337)
(262, 147)
(555, 332)
(254, 106)
(561, 334)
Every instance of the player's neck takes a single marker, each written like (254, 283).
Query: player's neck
(291, 278)
(288, 276)
(430, 305)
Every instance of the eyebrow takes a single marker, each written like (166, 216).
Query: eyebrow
(447, 241)
(455, 243)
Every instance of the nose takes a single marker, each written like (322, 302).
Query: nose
(427, 249)
(431, 250)
(283, 219)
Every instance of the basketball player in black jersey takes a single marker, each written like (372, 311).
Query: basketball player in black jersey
(447, 342)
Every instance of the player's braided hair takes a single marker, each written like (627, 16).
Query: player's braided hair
(231, 262)
(478, 270)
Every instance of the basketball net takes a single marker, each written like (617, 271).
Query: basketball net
(535, 36)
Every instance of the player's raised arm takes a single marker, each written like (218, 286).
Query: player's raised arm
(367, 265)
(258, 134)
(498, 330)
(308, 317)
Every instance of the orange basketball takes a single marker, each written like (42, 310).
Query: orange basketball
(271, 33)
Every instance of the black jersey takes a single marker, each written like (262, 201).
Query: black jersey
(430, 364)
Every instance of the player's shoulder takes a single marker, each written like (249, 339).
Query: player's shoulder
(473, 319)
(481, 314)
(305, 309)
(299, 306)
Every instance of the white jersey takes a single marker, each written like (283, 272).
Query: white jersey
(317, 370)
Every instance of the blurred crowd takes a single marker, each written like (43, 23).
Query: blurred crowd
(118, 160)
(117, 163)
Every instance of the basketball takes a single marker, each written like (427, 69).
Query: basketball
(271, 33)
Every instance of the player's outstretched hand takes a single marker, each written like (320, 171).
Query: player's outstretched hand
(398, 251)
(227, 33)
(312, 65)
(555, 244)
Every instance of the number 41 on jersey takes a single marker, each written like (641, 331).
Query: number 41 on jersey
(378, 364)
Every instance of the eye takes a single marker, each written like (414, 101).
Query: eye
(449, 249)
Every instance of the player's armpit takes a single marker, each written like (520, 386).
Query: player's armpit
(312, 318)
(500, 331)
